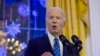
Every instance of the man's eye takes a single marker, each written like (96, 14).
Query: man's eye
(58, 17)
(51, 17)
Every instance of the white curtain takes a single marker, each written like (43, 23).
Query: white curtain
(94, 7)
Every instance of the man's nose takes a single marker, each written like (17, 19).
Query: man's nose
(54, 20)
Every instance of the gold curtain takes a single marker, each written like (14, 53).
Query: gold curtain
(77, 19)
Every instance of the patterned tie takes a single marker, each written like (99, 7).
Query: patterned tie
(56, 47)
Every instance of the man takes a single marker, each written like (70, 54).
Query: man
(44, 46)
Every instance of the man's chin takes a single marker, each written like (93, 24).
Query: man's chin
(55, 33)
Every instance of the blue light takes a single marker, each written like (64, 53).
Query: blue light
(10, 2)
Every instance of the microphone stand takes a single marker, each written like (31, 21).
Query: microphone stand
(73, 49)
(70, 49)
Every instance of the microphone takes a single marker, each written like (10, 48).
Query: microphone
(73, 49)
(77, 41)
(65, 41)
(70, 47)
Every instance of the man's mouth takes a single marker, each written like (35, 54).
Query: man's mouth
(54, 26)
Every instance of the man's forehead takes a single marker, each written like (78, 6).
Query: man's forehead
(51, 10)
(54, 12)
(57, 9)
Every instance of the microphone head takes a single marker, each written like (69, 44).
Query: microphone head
(78, 43)
(64, 40)
(75, 39)
(62, 37)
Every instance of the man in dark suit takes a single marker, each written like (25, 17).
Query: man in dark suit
(44, 45)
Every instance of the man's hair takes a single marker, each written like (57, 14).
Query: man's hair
(56, 8)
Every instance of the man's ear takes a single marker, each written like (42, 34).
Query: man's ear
(64, 24)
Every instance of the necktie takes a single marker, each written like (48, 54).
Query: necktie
(56, 47)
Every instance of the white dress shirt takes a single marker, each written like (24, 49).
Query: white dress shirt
(51, 39)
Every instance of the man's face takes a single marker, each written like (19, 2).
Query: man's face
(55, 22)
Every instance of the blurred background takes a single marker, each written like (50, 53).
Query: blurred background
(22, 20)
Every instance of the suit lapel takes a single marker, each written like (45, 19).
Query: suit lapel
(47, 44)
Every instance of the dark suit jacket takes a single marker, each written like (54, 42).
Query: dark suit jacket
(36, 47)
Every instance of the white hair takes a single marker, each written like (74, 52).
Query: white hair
(56, 8)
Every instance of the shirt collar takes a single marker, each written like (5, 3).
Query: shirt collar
(51, 37)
